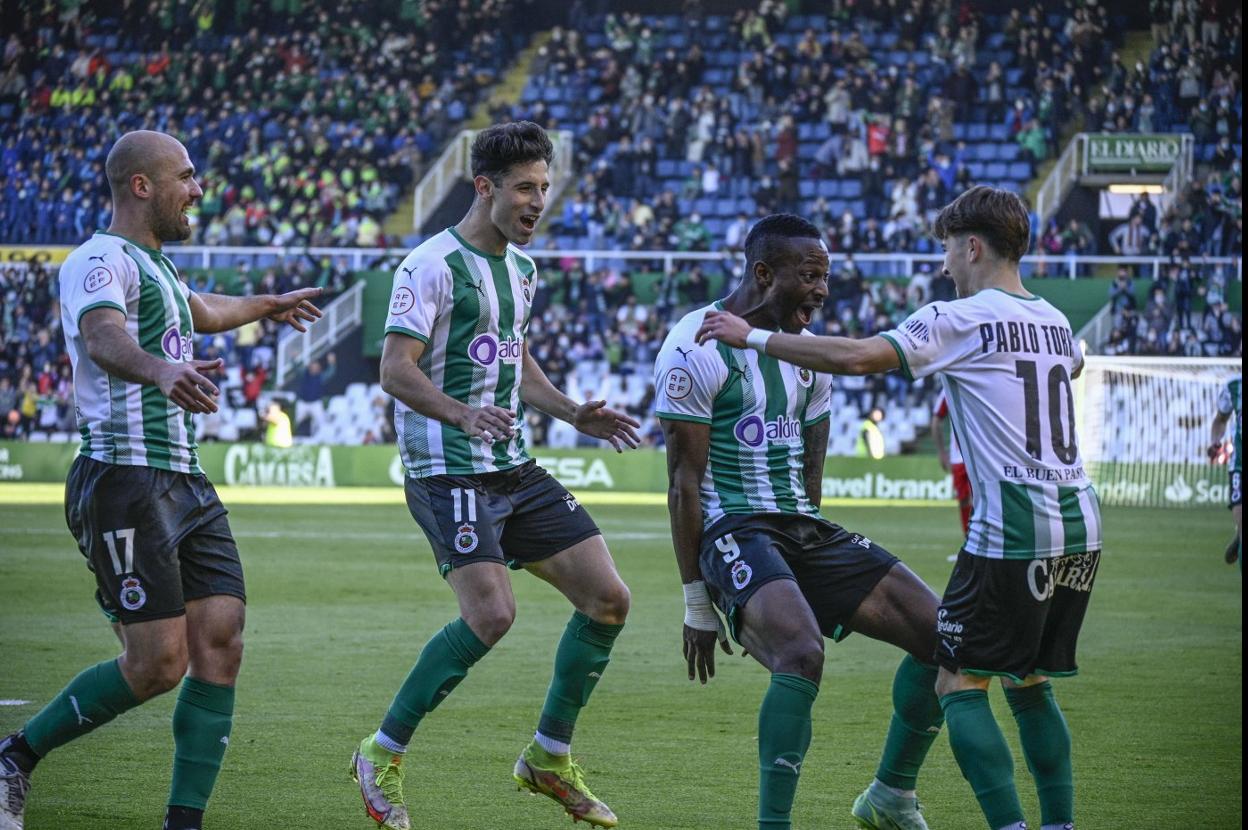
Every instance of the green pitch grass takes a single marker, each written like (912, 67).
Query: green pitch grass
(343, 596)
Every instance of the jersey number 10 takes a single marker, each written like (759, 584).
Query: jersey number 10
(1061, 437)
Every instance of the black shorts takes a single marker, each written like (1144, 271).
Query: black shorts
(1014, 617)
(834, 569)
(154, 539)
(515, 517)
(1237, 492)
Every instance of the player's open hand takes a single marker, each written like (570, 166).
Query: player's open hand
(725, 327)
(699, 649)
(489, 423)
(186, 386)
(294, 308)
(599, 420)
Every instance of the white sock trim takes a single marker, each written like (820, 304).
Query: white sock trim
(551, 745)
(877, 783)
(389, 744)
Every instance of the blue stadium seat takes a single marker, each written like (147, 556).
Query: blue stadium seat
(1020, 170)
(977, 132)
(851, 188)
(1009, 152)
(725, 207)
(977, 170)
(806, 189)
(666, 169)
(999, 132)
(829, 188)
(995, 172)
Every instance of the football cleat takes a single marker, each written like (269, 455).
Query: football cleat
(14, 784)
(1232, 551)
(380, 776)
(878, 809)
(565, 784)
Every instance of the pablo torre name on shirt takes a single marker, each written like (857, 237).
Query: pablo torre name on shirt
(1025, 337)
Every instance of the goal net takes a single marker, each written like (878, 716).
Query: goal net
(1143, 427)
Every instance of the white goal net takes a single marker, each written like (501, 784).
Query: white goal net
(1143, 427)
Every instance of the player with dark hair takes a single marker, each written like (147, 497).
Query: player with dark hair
(1020, 589)
(456, 361)
(146, 518)
(746, 439)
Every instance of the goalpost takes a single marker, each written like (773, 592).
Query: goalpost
(1143, 427)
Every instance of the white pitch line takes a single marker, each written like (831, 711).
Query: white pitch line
(13, 702)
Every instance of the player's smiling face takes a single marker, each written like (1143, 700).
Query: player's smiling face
(518, 200)
(175, 192)
(799, 284)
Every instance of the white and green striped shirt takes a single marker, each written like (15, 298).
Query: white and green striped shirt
(1231, 402)
(123, 422)
(757, 408)
(471, 310)
(1007, 362)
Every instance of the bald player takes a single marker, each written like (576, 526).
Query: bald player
(146, 518)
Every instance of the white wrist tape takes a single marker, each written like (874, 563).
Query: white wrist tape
(699, 611)
(757, 340)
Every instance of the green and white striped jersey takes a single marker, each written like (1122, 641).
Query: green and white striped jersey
(1231, 402)
(123, 422)
(471, 309)
(756, 407)
(1006, 362)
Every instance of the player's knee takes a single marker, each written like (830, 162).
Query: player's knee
(154, 674)
(491, 621)
(612, 606)
(802, 655)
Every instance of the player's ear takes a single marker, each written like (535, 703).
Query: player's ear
(762, 274)
(140, 186)
(484, 186)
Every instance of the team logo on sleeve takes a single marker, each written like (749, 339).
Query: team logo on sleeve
(96, 279)
(525, 287)
(402, 301)
(805, 377)
(132, 596)
(678, 384)
(466, 539)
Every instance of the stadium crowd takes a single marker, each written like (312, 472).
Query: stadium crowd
(307, 126)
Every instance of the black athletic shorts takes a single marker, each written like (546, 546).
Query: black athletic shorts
(1237, 492)
(515, 517)
(154, 539)
(833, 568)
(1014, 617)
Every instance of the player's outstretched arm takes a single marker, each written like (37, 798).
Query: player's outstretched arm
(1216, 430)
(835, 355)
(594, 418)
(212, 313)
(112, 348)
(402, 378)
(688, 446)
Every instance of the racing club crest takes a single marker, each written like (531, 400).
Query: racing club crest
(466, 539)
(804, 376)
(741, 573)
(132, 594)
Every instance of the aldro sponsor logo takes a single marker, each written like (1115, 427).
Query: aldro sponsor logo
(175, 345)
(486, 348)
(752, 430)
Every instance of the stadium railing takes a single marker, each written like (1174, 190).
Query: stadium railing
(296, 349)
(890, 264)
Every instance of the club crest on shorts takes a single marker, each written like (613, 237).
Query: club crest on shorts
(466, 539)
(741, 573)
(132, 595)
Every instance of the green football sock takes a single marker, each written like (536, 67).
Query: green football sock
(1045, 738)
(917, 718)
(443, 663)
(202, 719)
(983, 755)
(582, 657)
(783, 738)
(91, 699)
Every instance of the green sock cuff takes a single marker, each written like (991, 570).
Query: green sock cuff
(211, 696)
(797, 683)
(1025, 697)
(586, 628)
(466, 645)
(964, 696)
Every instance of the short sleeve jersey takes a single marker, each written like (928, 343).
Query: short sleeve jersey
(123, 422)
(471, 310)
(1006, 362)
(1231, 403)
(756, 407)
